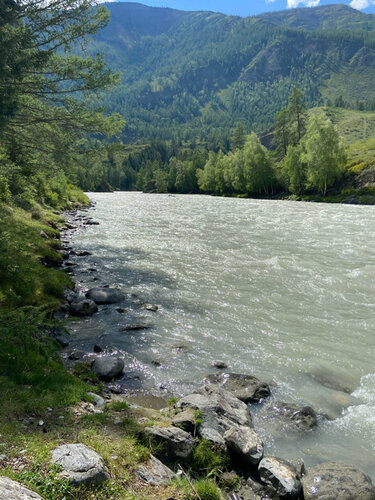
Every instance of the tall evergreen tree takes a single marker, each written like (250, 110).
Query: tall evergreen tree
(239, 137)
(297, 116)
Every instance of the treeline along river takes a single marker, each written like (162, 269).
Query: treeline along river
(278, 289)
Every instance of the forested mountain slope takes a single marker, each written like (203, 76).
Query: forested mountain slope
(194, 75)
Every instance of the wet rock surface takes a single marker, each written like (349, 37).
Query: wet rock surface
(334, 481)
(80, 464)
(290, 416)
(280, 476)
(107, 367)
(105, 295)
(247, 388)
(83, 308)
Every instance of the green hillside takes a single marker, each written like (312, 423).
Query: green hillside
(337, 16)
(195, 75)
(353, 126)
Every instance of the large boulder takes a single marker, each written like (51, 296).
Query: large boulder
(246, 443)
(247, 388)
(155, 472)
(107, 367)
(12, 490)
(281, 476)
(333, 481)
(83, 308)
(80, 464)
(172, 444)
(290, 417)
(219, 412)
(105, 295)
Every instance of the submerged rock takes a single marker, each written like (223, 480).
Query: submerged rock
(105, 295)
(172, 443)
(301, 418)
(130, 328)
(80, 464)
(281, 476)
(219, 364)
(220, 411)
(247, 388)
(107, 367)
(149, 307)
(83, 308)
(333, 481)
(12, 490)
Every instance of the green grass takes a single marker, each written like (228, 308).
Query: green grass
(352, 125)
(207, 460)
(25, 243)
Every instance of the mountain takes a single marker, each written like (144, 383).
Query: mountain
(338, 17)
(196, 74)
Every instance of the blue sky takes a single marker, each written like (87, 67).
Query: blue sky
(252, 7)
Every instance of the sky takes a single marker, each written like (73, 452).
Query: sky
(253, 7)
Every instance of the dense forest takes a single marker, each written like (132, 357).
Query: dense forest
(195, 75)
(47, 118)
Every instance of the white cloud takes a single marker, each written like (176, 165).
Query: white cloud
(292, 4)
(361, 4)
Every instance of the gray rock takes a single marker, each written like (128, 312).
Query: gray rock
(245, 387)
(83, 308)
(251, 490)
(149, 307)
(246, 443)
(133, 328)
(80, 464)
(70, 296)
(107, 367)
(333, 481)
(98, 400)
(220, 412)
(281, 476)
(302, 418)
(219, 364)
(59, 335)
(172, 443)
(76, 355)
(185, 420)
(83, 253)
(155, 472)
(12, 490)
(105, 295)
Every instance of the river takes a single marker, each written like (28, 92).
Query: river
(277, 289)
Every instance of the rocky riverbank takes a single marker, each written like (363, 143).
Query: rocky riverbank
(218, 413)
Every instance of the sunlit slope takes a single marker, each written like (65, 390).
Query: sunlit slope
(196, 74)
